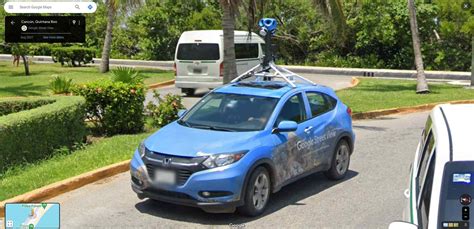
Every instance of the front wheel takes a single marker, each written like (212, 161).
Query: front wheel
(257, 193)
(340, 161)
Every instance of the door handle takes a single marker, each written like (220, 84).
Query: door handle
(308, 129)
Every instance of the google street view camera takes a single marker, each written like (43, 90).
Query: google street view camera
(267, 70)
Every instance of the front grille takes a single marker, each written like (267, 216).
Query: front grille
(182, 175)
(170, 194)
(184, 167)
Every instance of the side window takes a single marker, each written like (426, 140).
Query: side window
(320, 103)
(426, 192)
(246, 51)
(425, 156)
(293, 110)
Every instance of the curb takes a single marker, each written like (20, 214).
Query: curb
(162, 84)
(60, 187)
(404, 110)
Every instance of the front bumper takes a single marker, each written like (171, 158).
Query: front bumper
(228, 179)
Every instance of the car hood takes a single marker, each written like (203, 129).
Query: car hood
(178, 140)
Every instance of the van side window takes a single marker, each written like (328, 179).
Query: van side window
(293, 110)
(425, 156)
(426, 192)
(246, 51)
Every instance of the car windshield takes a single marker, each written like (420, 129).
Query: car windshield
(230, 112)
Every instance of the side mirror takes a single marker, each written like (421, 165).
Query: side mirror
(402, 225)
(181, 113)
(287, 126)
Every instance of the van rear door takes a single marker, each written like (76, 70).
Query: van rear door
(198, 59)
(247, 55)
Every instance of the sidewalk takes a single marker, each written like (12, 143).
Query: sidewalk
(392, 73)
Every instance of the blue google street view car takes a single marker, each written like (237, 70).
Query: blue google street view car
(243, 141)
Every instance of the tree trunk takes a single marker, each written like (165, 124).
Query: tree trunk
(472, 61)
(228, 20)
(26, 64)
(104, 64)
(421, 85)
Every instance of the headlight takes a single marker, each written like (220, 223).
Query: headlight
(222, 159)
(141, 149)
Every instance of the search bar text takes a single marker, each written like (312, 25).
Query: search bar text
(50, 7)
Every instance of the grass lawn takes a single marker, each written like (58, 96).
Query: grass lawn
(101, 153)
(13, 82)
(375, 94)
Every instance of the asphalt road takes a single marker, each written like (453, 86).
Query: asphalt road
(370, 197)
(336, 82)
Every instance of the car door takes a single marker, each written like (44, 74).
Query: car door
(421, 192)
(290, 156)
(321, 128)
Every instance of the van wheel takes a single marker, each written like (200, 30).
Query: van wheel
(340, 161)
(257, 193)
(188, 91)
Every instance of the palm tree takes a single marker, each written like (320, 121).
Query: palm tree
(421, 85)
(229, 8)
(112, 7)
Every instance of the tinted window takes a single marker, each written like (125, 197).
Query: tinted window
(426, 193)
(230, 112)
(320, 103)
(293, 110)
(198, 51)
(246, 51)
(427, 150)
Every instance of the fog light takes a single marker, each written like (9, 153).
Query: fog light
(212, 194)
(206, 194)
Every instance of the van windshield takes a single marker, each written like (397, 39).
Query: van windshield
(230, 112)
(198, 51)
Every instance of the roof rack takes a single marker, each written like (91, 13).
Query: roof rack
(267, 70)
(272, 72)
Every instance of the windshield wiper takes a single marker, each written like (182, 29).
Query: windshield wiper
(184, 123)
(210, 127)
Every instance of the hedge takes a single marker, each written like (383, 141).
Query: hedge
(12, 105)
(73, 56)
(114, 107)
(31, 135)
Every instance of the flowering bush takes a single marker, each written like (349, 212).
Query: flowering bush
(166, 111)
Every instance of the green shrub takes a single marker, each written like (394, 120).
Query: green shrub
(61, 85)
(166, 111)
(114, 107)
(73, 56)
(126, 75)
(12, 105)
(31, 135)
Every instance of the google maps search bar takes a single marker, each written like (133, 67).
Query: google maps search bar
(50, 7)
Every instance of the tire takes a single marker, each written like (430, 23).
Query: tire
(340, 161)
(259, 182)
(188, 91)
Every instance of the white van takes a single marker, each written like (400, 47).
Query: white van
(199, 57)
(441, 182)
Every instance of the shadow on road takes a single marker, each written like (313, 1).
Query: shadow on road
(291, 194)
(371, 128)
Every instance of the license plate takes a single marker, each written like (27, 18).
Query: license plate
(165, 177)
(197, 71)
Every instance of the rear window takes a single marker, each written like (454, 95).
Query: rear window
(246, 51)
(198, 51)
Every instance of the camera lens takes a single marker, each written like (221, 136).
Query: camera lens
(465, 199)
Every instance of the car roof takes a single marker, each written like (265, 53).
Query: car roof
(460, 119)
(273, 89)
(454, 124)
(214, 36)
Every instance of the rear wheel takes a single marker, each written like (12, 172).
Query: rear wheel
(188, 91)
(257, 193)
(340, 161)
